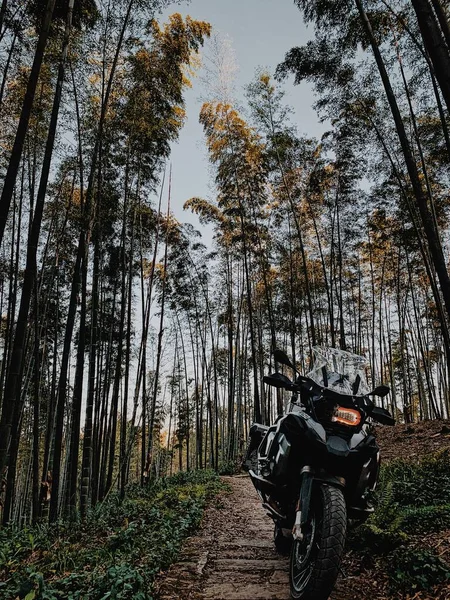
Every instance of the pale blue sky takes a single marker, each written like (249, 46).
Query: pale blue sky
(261, 31)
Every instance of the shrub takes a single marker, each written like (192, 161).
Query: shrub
(426, 483)
(412, 500)
(370, 538)
(121, 582)
(229, 467)
(412, 569)
(425, 519)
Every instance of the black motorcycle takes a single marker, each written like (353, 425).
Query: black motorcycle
(315, 467)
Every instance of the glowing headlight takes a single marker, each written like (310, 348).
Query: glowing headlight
(346, 416)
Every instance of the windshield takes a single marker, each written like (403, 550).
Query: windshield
(339, 370)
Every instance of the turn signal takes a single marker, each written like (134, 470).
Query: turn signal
(346, 416)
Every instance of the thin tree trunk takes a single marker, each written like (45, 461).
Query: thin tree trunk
(421, 199)
(435, 45)
(3, 8)
(123, 435)
(160, 336)
(12, 380)
(36, 409)
(6, 68)
(16, 153)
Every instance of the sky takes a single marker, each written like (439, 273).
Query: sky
(261, 32)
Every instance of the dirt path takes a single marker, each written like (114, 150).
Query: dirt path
(232, 557)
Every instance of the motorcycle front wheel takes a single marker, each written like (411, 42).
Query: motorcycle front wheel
(315, 560)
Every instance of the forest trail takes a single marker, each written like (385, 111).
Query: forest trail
(233, 557)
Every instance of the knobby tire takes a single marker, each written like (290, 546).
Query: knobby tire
(328, 524)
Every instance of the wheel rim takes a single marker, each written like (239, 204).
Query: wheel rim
(302, 559)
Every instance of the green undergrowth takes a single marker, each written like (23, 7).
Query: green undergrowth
(412, 502)
(116, 552)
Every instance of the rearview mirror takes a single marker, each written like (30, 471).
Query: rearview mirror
(278, 380)
(381, 391)
(282, 358)
(381, 415)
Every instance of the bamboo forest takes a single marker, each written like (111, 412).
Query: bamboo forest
(135, 337)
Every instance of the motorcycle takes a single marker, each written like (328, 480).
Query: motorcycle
(315, 468)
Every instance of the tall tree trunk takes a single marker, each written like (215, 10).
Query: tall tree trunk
(298, 228)
(30, 275)
(119, 358)
(16, 153)
(36, 408)
(342, 342)
(123, 434)
(73, 451)
(443, 20)
(49, 437)
(160, 337)
(6, 68)
(434, 42)
(12, 288)
(3, 8)
(421, 198)
(257, 405)
(146, 319)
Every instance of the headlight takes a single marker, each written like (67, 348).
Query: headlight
(346, 416)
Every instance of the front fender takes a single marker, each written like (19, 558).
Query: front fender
(334, 480)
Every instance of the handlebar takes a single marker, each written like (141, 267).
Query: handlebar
(364, 402)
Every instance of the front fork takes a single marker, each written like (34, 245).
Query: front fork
(303, 507)
(304, 502)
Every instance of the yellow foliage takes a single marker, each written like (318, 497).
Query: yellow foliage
(265, 78)
(94, 79)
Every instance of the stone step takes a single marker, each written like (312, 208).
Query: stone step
(247, 542)
(247, 591)
(250, 565)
